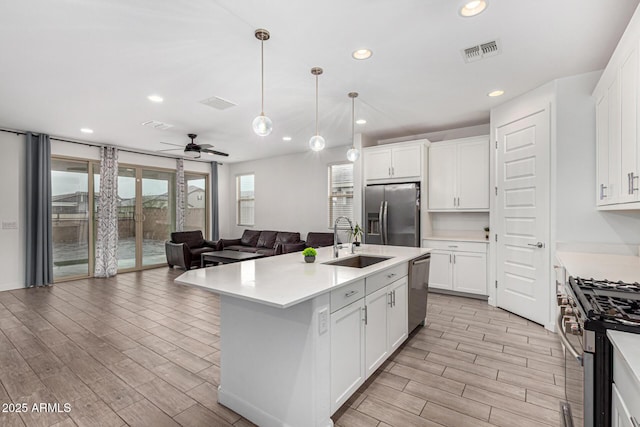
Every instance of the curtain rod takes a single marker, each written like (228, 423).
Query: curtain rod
(89, 144)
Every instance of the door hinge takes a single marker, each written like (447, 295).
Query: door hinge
(496, 144)
(496, 237)
(496, 284)
(496, 190)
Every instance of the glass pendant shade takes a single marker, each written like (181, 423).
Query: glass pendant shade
(262, 125)
(353, 154)
(316, 143)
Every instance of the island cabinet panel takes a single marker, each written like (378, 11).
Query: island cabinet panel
(376, 321)
(397, 318)
(347, 352)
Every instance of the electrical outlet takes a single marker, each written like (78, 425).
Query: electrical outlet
(9, 225)
(323, 321)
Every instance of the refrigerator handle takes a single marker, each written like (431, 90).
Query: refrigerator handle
(386, 223)
(380, 223)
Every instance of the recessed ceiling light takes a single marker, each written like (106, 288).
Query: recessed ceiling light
(155, 98)
(362, 54)
(473, 8)
(495, 93)
(286, 138)
(361, 121)
(86, 130)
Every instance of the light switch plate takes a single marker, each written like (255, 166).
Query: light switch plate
(323, 321)
(9, 225)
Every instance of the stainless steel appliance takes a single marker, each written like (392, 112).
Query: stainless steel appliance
(392, 214)
(418, 288)
(588, 308)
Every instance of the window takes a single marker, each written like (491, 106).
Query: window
(196, 202)
(340, 191)
(245, 196)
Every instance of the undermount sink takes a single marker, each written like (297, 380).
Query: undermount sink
(359, 261)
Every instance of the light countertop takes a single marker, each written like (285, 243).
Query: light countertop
(628, 345)
(285, 280)
(601, 266)
(458, 238)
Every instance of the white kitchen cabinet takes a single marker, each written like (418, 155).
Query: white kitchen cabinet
(459, 175)
(347, 352)
(618, 144)
(397, 316)
(377, 349)
(393, 162)
(458, 266)
(620, 416)
(625, 390)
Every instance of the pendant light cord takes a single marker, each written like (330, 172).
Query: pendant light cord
(262, 77)
(317, 133)
(353, 125)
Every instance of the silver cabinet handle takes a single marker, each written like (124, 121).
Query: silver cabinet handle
(634, 421)
(602, 188)
(390, 294)
(365, 314)
(389, 276)
(454, 258)
(389, 171)
(449, 258)
(454, 202)
(394, 298)
(633, 182)
(536, 245)
(350, 293)
(630, 183)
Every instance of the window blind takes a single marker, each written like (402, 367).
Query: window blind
(340, 191)
(245, 199)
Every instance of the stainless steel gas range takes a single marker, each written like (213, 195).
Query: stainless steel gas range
(587, 309)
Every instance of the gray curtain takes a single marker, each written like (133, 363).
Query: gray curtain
(107, 233)
(180, 206)
(39, 260)
(215, 225)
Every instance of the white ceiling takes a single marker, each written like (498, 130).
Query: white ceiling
(69, 64)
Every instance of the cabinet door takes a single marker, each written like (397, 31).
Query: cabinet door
(628, 127)
(602, 154)
(614, 190)
(397, 318)
(377, 163)
(440, 270)
(376, 329)
(470, 272)
(473, 175)
(620, 416)
(347, 352)
(406, 162)
(442, 171)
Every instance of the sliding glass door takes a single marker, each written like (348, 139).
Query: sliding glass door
(158, 214)
(196, 203)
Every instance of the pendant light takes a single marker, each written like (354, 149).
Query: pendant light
(262, 124)
(353, 153)
(316, 142)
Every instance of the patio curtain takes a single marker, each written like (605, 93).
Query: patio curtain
(180, 207)
(215, 224)
(107, 233)
(39, 244)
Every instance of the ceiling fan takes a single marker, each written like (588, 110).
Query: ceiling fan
(194, 150)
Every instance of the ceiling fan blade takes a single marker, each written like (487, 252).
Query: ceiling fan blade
(217, 153)
(206, 146)
(170, 149)
(169, 143)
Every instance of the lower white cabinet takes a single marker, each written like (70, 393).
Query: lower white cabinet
(347, 352)
(620, 416)
(458, 266)
(625, 390)
(364, 334)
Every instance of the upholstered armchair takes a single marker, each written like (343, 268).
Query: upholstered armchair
(185, 247)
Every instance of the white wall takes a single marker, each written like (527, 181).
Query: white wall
(291, 192)
(12, 190)
(442, 135)
(577, 220)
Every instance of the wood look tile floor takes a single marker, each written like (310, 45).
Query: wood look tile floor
(139, 350)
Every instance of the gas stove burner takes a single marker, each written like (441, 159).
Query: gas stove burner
(607, 285)
(616, 309)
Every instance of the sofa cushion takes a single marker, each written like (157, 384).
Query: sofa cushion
(250, 238)
(251, 249)
(267, 239)
(287, 237)
(317, 240)
(234, 247)
(193, 239)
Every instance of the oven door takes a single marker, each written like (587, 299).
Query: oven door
(578, 379)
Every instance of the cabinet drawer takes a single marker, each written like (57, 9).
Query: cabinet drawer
(627, 385)
(452, 245)
(347, 294)
(382, 279)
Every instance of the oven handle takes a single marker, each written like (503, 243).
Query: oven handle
(565, 341)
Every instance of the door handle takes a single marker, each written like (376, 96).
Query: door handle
(634, 422)
(386, 224)
(536, 245)
(381, 223)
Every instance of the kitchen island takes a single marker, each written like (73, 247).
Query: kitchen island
(299, 338)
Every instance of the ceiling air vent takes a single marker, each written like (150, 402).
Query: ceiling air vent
(157, 125)
(218, 103)
(481, 51)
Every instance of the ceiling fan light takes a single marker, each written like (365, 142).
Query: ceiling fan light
(352, 154)
(262, 125)
(316, 143)
(192, 154)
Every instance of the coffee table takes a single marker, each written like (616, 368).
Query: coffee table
(227, 257)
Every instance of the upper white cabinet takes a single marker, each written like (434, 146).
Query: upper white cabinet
(618, 153)
(393, 162)
(459, 175)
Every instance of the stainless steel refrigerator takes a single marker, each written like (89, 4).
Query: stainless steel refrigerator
(392, 214)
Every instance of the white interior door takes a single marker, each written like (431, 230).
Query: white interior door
(522, 208)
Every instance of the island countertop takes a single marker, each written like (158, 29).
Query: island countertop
(285, 280)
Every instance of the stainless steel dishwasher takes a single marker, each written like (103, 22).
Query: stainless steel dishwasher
(418, 288)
